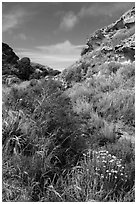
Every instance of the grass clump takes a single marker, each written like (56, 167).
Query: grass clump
(62, 146)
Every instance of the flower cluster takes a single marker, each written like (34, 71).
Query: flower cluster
(109, 168)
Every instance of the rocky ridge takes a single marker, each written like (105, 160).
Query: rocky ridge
(15, 70)
(113, 43)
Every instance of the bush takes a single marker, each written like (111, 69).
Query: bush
(119, 105)
(51, 143)
(25, 69)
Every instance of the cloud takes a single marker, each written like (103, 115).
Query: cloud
(101, 9)
(68, 21)
(104, 9)
(20, 36)
(65, 48)
(12, 19)
(58, 56)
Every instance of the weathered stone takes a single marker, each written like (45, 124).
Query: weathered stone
(8, 56)
(115, 42)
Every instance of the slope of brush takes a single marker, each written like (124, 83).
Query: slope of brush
(70, 138)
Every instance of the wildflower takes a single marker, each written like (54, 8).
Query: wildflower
(115, 177)
(107, 171)
(119, 165)
(121, 174)
(109, 174)
(103, 154)
(114, 157)
(102, 151)
(112, 160)
(103, 157)
(104, 161)
(102, 176)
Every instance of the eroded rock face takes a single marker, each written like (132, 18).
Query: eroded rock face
(9, 60)
(8, 56)
(113, 34)
(115, 42)
(23, 68)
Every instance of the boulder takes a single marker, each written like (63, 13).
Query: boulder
(24, 68)
(8, 56)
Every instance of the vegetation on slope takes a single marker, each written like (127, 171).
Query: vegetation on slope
(72, 144)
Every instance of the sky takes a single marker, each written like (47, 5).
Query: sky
(54, 33)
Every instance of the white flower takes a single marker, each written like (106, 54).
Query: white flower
(97, 169)
(104, 161)
(119, 165)
(112, 160)
(103, 157)
(102, 151)
(103, 154)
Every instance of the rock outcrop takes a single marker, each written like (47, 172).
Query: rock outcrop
(114, 34)
(22, 69)
(115, 42)
(43, 71)
(8, 55)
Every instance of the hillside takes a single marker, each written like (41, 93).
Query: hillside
(106, 71)
(70, 136)
(113, 44)
(17, 70)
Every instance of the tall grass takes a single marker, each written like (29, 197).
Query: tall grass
(62, 145)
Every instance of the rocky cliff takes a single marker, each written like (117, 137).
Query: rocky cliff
(113, 43)
(8, 55)
(22, 69)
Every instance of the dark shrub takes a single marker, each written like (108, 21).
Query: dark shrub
(25, 69)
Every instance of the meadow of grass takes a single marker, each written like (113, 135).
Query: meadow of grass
(63, 145)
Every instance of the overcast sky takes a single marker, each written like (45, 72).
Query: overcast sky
(53, 34)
